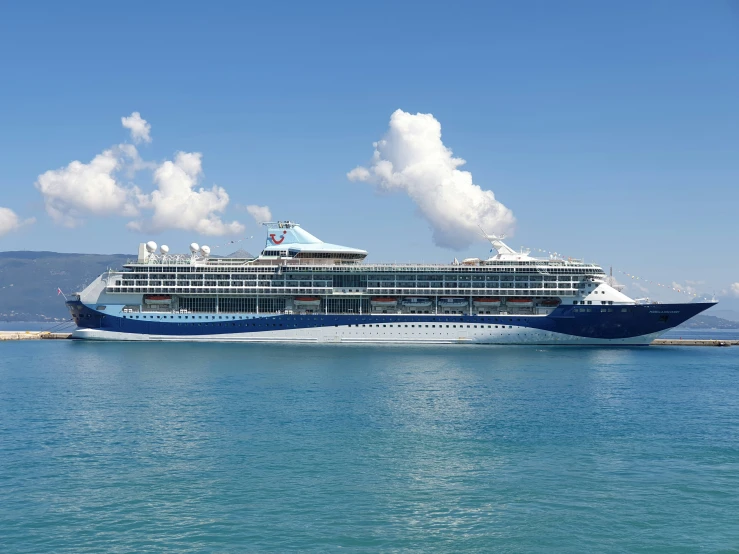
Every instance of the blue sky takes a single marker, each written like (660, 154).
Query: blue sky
(611, 131)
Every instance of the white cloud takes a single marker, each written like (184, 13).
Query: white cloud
(261, 214)
(734, 287)
(82, 189)
(639, 287)
(177, 205)
(412, 158)
(79, 190)
(139, 127)
(9, 221)
(684, 288)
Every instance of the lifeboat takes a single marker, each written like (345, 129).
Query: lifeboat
(520, 302)
(157, 299)
(416, 302)
(486, 302)
(551, 302)
(452, 302)
(384, 302)
(306, 301)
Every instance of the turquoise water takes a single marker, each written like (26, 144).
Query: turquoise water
(236, 448)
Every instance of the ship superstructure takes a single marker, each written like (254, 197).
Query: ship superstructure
(301, 289)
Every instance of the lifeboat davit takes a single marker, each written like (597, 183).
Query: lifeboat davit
(384, 302)
(307, 301)
(417, 302)
(520, 302)
(486, 302)
(157, 299)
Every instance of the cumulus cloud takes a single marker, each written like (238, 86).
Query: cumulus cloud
(9, 221)
(176, 204)
(139, 127)
(81, 189)
(734, 288)
(685, 288)
(261, 214)
(412, 158)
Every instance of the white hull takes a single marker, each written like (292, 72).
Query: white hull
(358, 335)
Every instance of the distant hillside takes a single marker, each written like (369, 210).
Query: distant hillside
(709, 322)
(29, 281)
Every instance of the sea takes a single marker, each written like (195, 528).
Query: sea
(113, 447)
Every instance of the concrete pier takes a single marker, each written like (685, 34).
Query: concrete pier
(694, 342)
(32, 335)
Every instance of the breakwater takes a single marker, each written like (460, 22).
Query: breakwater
(694, 342)
(32, 335)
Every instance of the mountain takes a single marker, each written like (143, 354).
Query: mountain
(29, 281)
(703, 321)
(731, 315)
(240, 253)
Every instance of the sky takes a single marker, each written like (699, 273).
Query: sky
(603, 131)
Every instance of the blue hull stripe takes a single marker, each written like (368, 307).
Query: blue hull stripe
(570, 320)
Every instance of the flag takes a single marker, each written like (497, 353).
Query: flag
(58, 291)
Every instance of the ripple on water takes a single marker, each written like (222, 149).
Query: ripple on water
(134, 447)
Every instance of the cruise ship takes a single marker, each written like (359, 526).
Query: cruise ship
(301, 289)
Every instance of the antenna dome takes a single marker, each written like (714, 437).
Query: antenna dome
(205, 250)
(151, 247)
(194, 247)
(164, 249)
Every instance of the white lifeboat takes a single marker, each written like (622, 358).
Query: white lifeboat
(452, 302)
(486, 302)
(384, 302)
(519, 302)
(416, 302)
(157, 299)
(307, 302)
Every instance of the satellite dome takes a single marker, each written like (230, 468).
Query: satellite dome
(151, 246)
(164, 249)
(194, 247)
(205, 250)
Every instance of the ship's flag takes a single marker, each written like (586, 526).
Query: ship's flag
(58, 291)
